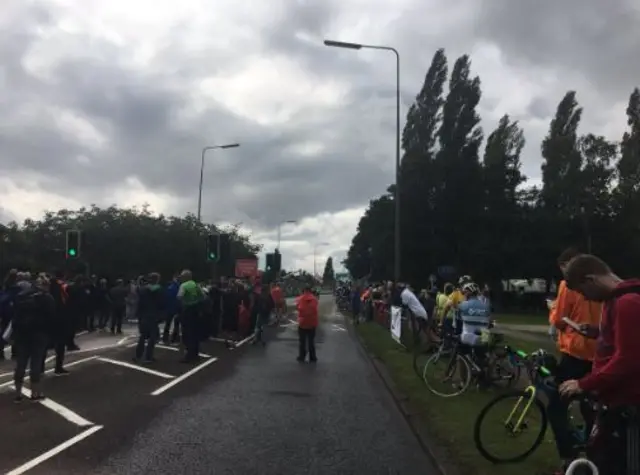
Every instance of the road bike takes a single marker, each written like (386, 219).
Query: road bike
(525, 408)
(450, 371)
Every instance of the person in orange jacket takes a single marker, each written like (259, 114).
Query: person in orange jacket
(307, 305)
(577, 352)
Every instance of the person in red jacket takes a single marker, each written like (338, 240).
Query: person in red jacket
(615, 378)
(307, 305)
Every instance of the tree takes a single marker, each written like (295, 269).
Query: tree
(117, 242)
(459, 198)
(418, 176)
(328, 276)
(369, 251)
(562, 161)
(627, 192)
(501, 179)
(561, 217)
(484, 218)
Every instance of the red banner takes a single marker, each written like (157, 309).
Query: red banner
(246, 268)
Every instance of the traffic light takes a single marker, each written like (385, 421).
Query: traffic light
(277, 261)
(225, 249)
(213, 247)
(73, 244)
(270, 261)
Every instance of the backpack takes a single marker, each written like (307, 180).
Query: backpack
(27, 312)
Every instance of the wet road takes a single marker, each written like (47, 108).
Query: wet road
(250, 410)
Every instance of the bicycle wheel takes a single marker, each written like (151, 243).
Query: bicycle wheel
(447, 373)
(499, 422)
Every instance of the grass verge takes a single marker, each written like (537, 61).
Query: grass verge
(450, 421)
(522, 319)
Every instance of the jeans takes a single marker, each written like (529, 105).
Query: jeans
(569, 367)
(306, 340)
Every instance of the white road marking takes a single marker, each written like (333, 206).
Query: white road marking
(68, 365)
(54, 451)
(246, 340)
(339, 328)
(173, 348)
(220, 340)
(122, 341)
(95, 348)
(137, 367)
(65, 412)
(184, 376)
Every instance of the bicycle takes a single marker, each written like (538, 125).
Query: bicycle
(540, 379)
(423, 344)
(488, 364)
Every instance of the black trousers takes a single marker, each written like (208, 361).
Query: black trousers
(569, 367)
(191, 332)
(116, 318)
(307, 342)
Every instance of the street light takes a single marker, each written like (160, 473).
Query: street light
(289, 221)
(315, 251)
(204, 150)
(357, 46)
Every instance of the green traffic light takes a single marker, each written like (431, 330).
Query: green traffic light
(72, 252)
(212, 255)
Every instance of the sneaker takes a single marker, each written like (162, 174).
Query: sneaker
(18, 398)
(300, 360)
(37, 396)
(61, 372)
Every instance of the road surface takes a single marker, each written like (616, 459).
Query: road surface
(249, 410)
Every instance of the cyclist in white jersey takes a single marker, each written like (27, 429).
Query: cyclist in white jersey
(475, 315)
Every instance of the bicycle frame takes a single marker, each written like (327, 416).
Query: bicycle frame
(533, 392)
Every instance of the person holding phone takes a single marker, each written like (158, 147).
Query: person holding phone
(575, 319)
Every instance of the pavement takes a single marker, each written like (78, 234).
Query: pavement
(252, 409)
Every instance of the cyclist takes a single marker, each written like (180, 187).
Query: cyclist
(409, 300)
(475, 315)
(576, 356)
(616, 367)
(455, 299)
(445, 314)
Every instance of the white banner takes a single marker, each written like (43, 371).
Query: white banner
(396, 323)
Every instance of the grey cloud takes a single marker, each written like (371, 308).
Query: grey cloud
(599, 39)
(137, 112)
(142, 112)
(540, 108)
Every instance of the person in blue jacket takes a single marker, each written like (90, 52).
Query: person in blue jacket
(173, 311)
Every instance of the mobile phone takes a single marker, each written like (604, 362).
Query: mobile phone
(573, 325)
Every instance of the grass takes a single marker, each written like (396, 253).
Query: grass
(522, 319)
(451, 420)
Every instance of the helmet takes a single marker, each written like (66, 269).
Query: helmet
(465, 279)
(471, 287)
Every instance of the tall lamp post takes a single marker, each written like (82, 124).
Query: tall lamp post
(315, 253)
(289, 221)
(204, 151)
(357, 46)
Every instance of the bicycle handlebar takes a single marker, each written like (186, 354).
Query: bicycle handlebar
(582, 463)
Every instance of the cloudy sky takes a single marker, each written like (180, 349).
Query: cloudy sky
(112, 101)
